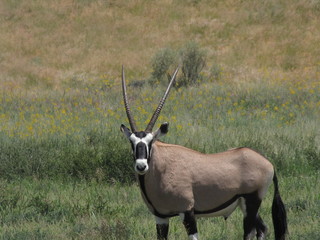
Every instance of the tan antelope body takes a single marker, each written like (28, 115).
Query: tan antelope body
(175, 180)
(173, 166)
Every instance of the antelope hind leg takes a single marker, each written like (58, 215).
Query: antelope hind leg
(252, 223)
(162, 225)
(261, 228)
(189, 222)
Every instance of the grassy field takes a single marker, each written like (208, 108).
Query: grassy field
(45, 209)
(66, 170)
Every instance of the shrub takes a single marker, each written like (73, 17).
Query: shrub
(161, 63)
(193, 61)
(191, 58)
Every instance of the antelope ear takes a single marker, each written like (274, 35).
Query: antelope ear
(163, 130)
(125, 130)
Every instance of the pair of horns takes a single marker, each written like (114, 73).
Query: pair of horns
(157, 111)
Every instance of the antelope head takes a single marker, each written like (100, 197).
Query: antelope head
(141, 141)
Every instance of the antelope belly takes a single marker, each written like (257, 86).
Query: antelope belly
(225, 212)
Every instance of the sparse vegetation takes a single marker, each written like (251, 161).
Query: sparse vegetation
(191, 58)
(66, 171)
(161, 63)
(193, 61)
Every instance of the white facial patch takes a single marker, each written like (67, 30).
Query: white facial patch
(146, 140)
(141, 164)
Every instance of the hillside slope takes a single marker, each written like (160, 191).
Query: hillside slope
(44, 43)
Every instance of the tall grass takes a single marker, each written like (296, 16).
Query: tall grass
(75, 133)
(33, 209)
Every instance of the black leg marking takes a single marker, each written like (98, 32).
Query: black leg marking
(248, 227)
(252, 204)
(261, 228)
(162, 231)
(190, 223)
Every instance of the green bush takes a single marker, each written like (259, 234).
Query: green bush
(191, 58)
(161, 63)
(193, 61)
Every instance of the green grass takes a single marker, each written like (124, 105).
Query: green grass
(43, 209)
(66, 170)
(64, 179)
(75, 133)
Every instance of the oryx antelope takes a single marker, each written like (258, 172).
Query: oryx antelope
(175, 180)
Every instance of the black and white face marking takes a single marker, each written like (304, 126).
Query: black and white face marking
(141, 146)
(141, 143)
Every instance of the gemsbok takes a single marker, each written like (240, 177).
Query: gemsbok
(177, 181)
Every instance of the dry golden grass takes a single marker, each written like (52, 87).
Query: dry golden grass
(43, 43)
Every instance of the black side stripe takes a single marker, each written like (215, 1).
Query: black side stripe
(155, 212)
(227, 203)
(219, 208)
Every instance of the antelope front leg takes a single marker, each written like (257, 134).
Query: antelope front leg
(162, 225)
(189, 221)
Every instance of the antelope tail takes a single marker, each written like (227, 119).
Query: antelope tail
(279, 215)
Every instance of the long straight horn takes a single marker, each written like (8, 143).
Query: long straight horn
(158, 110)
(126, 105)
